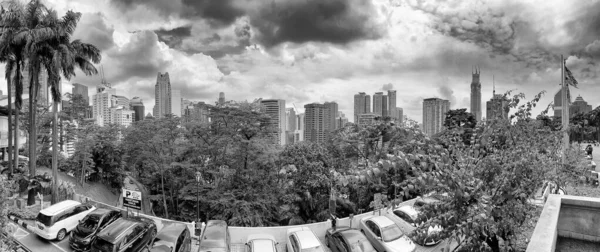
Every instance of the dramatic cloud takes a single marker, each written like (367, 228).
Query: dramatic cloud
(387, 87)
(93, 29)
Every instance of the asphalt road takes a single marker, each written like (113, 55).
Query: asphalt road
(34, 242)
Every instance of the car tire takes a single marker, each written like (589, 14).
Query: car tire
(61, 234)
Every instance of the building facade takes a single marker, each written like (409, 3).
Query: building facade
(378, 103)
(102, 101)
(579, 106)
(121, 116)
(299, 132)
(137, 105)
(557, 107)
(362, 105)
(162, 96)
(476, 96)
(79, 89)
(221, 98)
(176, 102)
(434, 113)
(197, 112)
(497, 108)
(329, 114)
(290, 119)
(367, 119)
(314, 124)
(275, 108)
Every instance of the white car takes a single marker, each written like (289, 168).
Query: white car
(55, 221)
(385, 235)
(261, 243)
(408, 216)
(302, 239)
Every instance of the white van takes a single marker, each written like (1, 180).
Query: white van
(55, 221)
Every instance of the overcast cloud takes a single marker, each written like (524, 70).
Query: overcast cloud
(328, 50)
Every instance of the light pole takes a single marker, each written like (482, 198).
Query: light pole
(198, 179)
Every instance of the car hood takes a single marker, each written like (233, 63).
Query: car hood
(83, 232)
(404, 244)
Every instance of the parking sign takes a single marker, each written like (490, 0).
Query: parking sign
(132, 199)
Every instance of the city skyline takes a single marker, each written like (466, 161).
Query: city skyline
(422, 49)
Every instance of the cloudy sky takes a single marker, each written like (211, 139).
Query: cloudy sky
(306, 51)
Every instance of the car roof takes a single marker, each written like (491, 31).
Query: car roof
(307, 239)
(260, 237)
(171, 231)
(59, 207)
(262, 245)
(382, 221)
(410, 210)
(352, 235)
(215, 230)
(115, 230)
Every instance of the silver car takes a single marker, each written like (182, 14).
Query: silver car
(385, 235)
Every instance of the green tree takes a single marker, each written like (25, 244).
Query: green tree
(459, 118)
(485, 186)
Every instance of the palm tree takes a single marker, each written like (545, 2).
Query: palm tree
(59, 56)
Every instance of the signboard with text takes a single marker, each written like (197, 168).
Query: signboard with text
(132, 199)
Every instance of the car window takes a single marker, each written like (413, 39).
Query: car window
(180, 240)
(340, 244)
(374, 228)
(79, 209)
(66, 214)
(403, 216)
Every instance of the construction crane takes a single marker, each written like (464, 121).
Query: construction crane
(295, 107)
(103, 80)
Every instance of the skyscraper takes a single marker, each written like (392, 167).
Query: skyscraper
(299, 133)
(138, 108)
(558, 102)
(434, 113)
(362, 105)
(162, 95)
(314, 123)
(329, 114)
(290, 118)
(496, 108)
(79, 89)
(476, 95)
(102, 101)
(221, 98)
(378, 102)
(176, 102)
(276, 110)
(398, 116)
(392, 111)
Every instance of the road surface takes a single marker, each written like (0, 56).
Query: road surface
(34, 242)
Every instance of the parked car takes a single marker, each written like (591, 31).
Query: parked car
(385, 235)
(85, 233)
(132, 234)
(261, 243)
(174, 237)
(409, 217)
(55, 221)
(302, 239)
(346, 239)
(215, 237)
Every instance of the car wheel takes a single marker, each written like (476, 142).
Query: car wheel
(61, 234)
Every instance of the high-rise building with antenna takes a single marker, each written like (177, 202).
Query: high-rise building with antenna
(476, 95)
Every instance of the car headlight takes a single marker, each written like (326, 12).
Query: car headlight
(86, 241)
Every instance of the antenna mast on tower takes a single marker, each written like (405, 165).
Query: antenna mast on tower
(103, 80)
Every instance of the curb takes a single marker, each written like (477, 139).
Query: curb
(20, 222)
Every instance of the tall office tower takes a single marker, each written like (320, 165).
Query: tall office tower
(340, 122)
(162, 95)
(197, 112)
(557, 107)
(329, 114)
(314, 123)
(434, 113)
(176, 102)
(391, 100)
(579, 106)
(398, 116)
(385, 111)
(184, 105)
(362, 105)
(378, 103)
(476, 95)
(299, 133)
(276, 110)
(221, 98)
(101, 104)
(290, 119)
(79, 89)
(138, 108)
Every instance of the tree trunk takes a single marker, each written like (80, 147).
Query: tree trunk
(10, 128)
(162, 184)
(54, 153)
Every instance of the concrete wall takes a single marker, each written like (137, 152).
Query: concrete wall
(566, 216)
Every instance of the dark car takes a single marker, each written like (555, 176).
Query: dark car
(345, 239)
(85, 232)
(173, 237)
(126, 234)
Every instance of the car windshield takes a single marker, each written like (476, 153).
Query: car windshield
(362, 246)
(103, 245)
(313, 249)
(90, 222)
(391, 233)
(44, 219)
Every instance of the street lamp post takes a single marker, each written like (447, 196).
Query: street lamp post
(198, 179)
